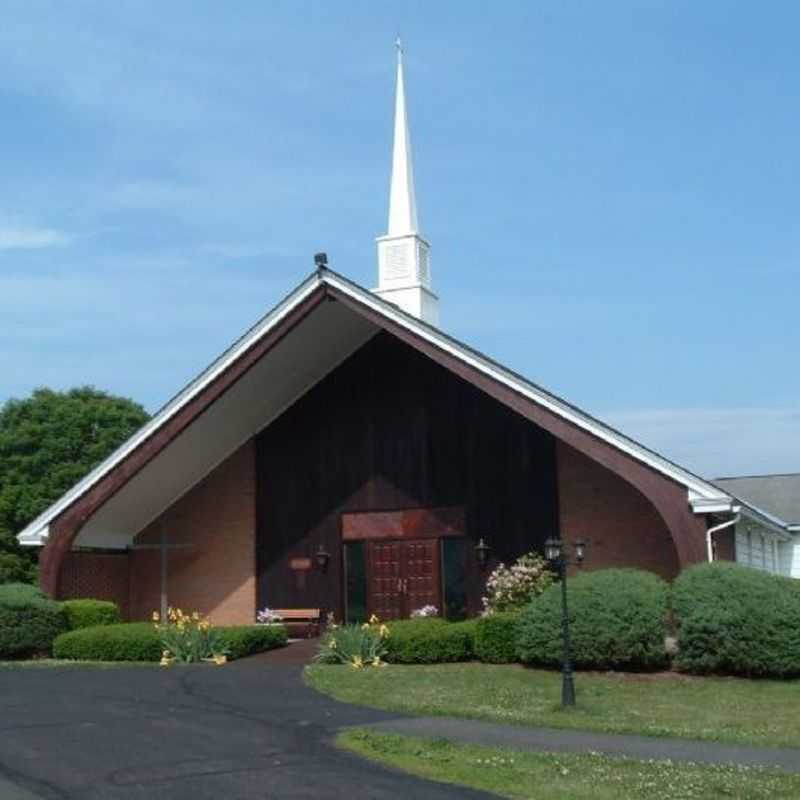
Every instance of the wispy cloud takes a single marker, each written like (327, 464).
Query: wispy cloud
(28, 237)
(718, 441)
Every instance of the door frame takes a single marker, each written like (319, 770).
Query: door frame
(431, 522)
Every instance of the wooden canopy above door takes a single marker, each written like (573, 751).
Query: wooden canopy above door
(412, 523)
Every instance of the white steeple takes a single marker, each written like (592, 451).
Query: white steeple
(403, 255)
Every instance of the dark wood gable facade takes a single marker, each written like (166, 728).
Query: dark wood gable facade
(396, 467)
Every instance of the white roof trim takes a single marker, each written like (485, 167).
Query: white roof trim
(35, 533)
(703, 496)
(700, 491)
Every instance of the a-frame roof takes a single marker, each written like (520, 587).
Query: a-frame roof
(310, 338)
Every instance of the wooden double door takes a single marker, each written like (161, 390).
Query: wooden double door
(403, 575)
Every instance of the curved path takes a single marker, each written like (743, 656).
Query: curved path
(249, 730)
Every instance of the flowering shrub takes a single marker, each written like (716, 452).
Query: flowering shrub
(512, 588)
(358, 646)
(425, 611)
(188, 638)
(268, 617)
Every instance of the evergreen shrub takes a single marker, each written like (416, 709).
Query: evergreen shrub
(29, 621)
(737, 620)
(141, 641)
(427, 640)
(496, 638)
(85, 613)
(130, 641)
(245, 640)
(617, 621)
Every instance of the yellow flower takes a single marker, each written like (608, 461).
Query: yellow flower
(376, 662)
(156, 616)
(365, 626)
(357, 663)
(332, 644)
(383, 631)
(165, 662)
(373, 620)
(220, 659)
(165, 654)
(196, 616)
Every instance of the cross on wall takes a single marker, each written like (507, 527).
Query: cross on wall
(163, 546)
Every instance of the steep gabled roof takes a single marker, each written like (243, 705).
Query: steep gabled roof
(320, 340)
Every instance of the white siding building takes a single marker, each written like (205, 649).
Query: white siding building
(772, 545)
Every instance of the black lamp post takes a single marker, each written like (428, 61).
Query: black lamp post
(554, 553)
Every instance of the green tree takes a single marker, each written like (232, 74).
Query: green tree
(48, 442)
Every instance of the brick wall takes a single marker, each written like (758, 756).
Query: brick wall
(103, 576)
(215, 575)
(622, 526)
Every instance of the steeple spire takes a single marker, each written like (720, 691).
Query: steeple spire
(402, 200)
(403, 255)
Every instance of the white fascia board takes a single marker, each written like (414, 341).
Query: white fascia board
(35, 533)
(699, 490)
(793, 528)
(712, 505)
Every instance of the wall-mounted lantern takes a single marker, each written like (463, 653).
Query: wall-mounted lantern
(482, 553)
(323, 557)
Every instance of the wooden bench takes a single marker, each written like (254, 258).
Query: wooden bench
(300, 620)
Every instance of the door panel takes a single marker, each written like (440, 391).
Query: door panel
(422, 576)
(403, 576)
(385, 580)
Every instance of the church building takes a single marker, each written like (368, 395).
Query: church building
(347, 455)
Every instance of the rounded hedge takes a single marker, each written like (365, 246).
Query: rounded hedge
(140, 641)
(429, 641)
(85, 613)
(737, 620)
(496, 638)
(29, 621)
(245, 640)
(617, 621)
(132, 641)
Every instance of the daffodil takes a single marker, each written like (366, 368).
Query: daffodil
(220, 659)
(373, 620)
(376, 662)
(156, 616)
(365, 626)
(384, 632)
(358, 662)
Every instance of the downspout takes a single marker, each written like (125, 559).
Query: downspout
(716, 528)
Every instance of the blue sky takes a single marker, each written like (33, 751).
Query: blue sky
(610, 190)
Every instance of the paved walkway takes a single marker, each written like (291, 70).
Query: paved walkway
(553, 740)
(244, 731)
(249, 730)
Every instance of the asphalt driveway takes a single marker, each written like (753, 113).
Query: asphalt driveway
(248, 730)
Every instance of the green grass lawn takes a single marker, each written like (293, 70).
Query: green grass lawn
(566, 777)
(718, 709)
